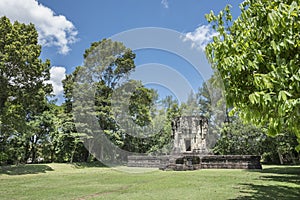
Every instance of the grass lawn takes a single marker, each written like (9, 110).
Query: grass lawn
(80, 182)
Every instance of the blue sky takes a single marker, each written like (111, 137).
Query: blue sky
(68, 27)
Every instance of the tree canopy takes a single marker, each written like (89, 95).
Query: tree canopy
(23, 89)
(257, 56)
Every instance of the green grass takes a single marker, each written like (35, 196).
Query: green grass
(80, 182)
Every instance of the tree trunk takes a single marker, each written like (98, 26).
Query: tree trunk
(52, 155)
(27, 152)
(73, 152)
(33, 153)
(280, 157)
(34, 140)
(292, 157)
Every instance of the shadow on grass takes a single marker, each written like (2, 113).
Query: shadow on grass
(288, 186)
(25, 169)
(88, 164)
(284, 169)
(288, 174)
(266, 192)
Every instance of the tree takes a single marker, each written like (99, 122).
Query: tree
(22, 73)
(161, 142)
(191, 106)
(237, 138)
(23, 89)
(42, 134)
(106, 63)
(280, 149)
(204, 101)
(101, 92)
(257, 56)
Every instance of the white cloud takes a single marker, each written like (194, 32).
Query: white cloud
(201, 36)
(54, 30)
(165, 3)
(57, 74)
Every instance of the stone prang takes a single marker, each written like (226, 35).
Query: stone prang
(189, 134)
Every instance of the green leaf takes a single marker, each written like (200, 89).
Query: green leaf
(252, 98)
(232, 112)
(290, 41)
(282, 96)
(270, 19)
(267, 97)
(274, 45)
(287, 93)
(296, 77)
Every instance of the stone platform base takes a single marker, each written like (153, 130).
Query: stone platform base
(191, 161)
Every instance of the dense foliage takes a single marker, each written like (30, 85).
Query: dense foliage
(23, 105)
(238, 138)
(257, 56)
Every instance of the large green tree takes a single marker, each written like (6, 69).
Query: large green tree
(70, 147)
(100, 91)
(257, 56)
(23, 89)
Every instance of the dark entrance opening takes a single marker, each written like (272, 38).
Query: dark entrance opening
(188, 145)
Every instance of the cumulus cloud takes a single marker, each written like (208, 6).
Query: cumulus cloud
(165, 3)
(54, 30)
(57, 74)
(200, 37)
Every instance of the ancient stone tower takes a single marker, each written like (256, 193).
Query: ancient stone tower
(189, 134)
(190, 152)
